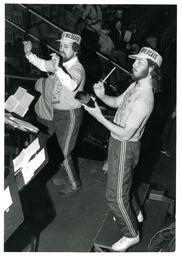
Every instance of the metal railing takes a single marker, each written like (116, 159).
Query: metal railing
(21, 77)
(32, 36)
(61, 30)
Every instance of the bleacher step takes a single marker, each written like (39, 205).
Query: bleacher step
(155, 215)
(109, 231)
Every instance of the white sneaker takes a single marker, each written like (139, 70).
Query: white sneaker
(140, 217)
(124, 243)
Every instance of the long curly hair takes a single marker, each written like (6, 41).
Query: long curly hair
(156, 76)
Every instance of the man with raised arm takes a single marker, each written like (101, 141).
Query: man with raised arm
(69, 78)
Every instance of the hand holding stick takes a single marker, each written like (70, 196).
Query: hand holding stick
(87, 99)
(104, 80)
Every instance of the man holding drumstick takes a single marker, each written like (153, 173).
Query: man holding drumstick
(134, 107)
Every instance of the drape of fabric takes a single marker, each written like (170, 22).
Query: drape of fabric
(43, 107)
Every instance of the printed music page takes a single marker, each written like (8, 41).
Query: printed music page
(19, 102)
(7, 202)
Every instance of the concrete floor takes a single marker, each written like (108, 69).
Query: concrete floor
(79, 216)
(65, 224)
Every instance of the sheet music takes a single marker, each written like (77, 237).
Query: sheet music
(23, 158)
(36, 162)
(20, 92)
(32, 148)
(32, 166)
(11, 103)
(7, 200)
(19, 102)
(26, 99)
(19, 161)
(27, 174)
(20, 110)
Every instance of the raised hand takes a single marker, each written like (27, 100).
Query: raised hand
(99, 90)
(55, 61)
(27, 47)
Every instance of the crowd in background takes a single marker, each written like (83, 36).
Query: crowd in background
(115, 34)
(115, 31)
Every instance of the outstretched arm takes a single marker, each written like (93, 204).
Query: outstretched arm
(70, 80)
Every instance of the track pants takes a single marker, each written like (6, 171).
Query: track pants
(122, 159)
(66, 125)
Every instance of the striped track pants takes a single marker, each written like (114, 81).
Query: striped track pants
(66, 125)
(122, 159)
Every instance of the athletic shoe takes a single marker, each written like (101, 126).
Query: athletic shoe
(67, 190)
(124, 243)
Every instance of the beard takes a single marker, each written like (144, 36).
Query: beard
(65, 58)
(140, 75)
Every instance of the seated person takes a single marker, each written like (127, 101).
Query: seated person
(105, 42)
(107, 48)
(117, 35)
(152, 41)
(92, 14)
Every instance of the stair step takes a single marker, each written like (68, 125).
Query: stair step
(109, 231)
(154, 217)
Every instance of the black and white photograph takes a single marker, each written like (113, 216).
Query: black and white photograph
(89, 126)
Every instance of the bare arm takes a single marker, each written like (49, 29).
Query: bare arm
(111, 101)
(132, 124)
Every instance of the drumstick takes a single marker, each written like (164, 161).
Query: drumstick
(108, 75)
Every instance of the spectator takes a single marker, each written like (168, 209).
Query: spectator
(105, 42)
(117, 35)
(152, 41)
(119, 14)
(107, 48)
(115, 15)
(77, 12)
(136, 37)
(92, 15)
